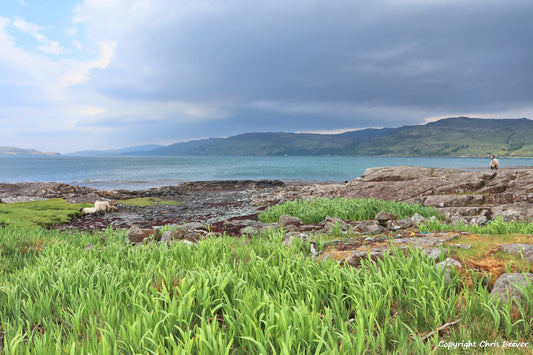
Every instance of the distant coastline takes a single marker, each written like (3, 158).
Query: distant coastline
(455, 137)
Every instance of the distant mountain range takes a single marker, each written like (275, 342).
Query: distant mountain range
(13, 151)
(457, 136)
(124, 151)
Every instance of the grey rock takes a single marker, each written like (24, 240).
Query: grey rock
(511, 282)
(447, 265)
(167, 236)
(370, 227)
(291, 228)
(188, 227)
(417, 219)
(138, 235)
(520, 250)
(333, 220)
(404, 223)
(309, 228)
(392, 226)
(434, 253)
(286, 220)
(195, 235)
(355, 258)
(249, 230)
(382, 217)
(479, 220)
(455, 220)
(312, 249)
(330, 223)
(289, 238)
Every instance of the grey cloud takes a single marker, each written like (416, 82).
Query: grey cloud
(424, 56)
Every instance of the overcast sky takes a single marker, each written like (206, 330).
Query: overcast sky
(103, 74)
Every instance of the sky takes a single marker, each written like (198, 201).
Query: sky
(106, 74)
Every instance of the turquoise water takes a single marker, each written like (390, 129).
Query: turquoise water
(144, 172)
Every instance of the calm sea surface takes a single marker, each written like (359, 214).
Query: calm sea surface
(145, 172)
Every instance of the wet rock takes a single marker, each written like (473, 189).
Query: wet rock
(512, 283)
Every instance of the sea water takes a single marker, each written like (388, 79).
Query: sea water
(141, 172)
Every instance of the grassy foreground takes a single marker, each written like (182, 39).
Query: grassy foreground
(233, 296)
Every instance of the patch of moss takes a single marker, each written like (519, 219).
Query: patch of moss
(147, 202)
(39, 213)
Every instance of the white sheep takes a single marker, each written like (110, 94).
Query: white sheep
(100, 206)
(494, 163)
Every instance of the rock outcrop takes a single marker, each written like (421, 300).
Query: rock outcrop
(471, 194)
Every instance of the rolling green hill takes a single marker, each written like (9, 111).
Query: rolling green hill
(458, 136)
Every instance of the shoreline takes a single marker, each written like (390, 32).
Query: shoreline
(118, 185)
(460, 192)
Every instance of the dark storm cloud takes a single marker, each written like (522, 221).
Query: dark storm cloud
(451, 54)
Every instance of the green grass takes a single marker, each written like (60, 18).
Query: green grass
(316, 210)
(39, 213)
(147, 202)
(231, 296)
(497, 227)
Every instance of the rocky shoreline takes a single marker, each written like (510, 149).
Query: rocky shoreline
(461, 195)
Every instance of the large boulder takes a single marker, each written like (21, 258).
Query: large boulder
(512, 285)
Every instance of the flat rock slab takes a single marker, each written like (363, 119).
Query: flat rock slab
(505, 192)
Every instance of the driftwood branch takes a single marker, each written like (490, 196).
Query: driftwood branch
(439, 329)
